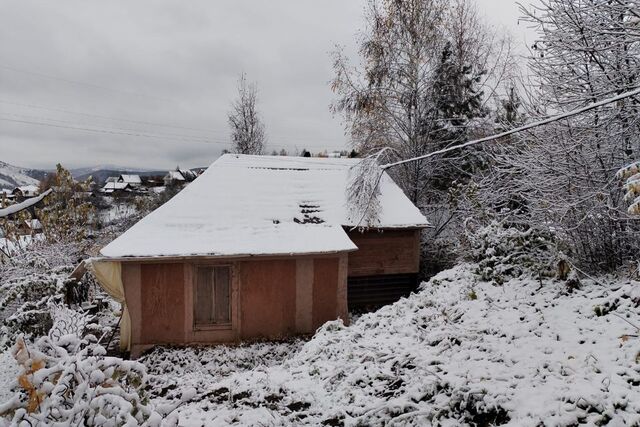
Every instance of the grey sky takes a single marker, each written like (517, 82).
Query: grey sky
(172, 65)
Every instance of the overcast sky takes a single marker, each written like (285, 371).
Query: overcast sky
(148, 83)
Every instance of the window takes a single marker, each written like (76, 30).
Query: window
(212, 301)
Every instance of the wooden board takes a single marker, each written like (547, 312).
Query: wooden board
(325, 290)
(386, 252)
(268, 298)
(162, 301)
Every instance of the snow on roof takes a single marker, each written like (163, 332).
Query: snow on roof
(177, 175)
(28, 189)
(131, 179)
(259, 205)
(33, 224)
(24, 205)
(111, 186)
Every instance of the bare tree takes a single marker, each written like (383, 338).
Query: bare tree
(560, 175)
(247, 129)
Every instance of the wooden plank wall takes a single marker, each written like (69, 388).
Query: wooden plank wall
(268, 298)
(162, 303)
(325, 290)
(384, 252)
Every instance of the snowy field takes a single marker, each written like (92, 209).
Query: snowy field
(459, 352)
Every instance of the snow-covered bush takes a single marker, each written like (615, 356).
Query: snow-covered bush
(26, 304)
(68, 379)
(503, 252)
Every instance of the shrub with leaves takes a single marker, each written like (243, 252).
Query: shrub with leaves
(67, 211)
(503, 252)
(67, 379)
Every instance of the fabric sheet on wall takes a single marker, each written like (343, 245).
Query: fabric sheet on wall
(109, 276)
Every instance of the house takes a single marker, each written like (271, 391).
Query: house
(259, 247)
(116, 188)
(179, 177)
(25, 192)
(132, 180)
(29, 227)
(6, 195)
(29, 204)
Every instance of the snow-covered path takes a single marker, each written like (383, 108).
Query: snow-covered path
(459, 352)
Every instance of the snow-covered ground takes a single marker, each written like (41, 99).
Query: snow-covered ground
(459, 352)
(117, 210)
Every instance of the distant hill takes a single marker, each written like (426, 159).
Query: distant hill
(14, 176)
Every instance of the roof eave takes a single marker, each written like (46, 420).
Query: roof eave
(174, 258)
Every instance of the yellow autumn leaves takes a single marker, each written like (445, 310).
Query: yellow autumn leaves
(631, 174)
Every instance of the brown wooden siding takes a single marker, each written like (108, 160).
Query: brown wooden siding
(325, 290)
(162, 303)
(384, 252)
(268, 298)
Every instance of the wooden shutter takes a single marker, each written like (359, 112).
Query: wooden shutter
(221, 297)
(212, 296)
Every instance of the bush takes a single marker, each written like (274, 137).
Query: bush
(503, 252)
(67, 379)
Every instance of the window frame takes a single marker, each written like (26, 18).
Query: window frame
(194, 292)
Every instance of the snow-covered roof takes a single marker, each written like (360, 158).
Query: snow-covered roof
(28, 190)
(261, 205)
(33, 224)
(175, 175)
(10, 210)
(130, 179)
(112, 186)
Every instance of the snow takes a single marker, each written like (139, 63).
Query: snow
(254, 205)
(525, 353)
(117, 211)
(12, 176)
(110, 187)
(23, 205)
(175, 175)
(28, 190)
(131, 179)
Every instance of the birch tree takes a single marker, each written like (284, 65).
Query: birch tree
(247, 128)
(426, 72)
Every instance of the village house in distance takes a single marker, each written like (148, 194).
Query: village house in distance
(259, 247)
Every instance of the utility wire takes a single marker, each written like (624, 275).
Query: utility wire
(75, 82)
(60, 110)
(536, 124)
(125, 132)
(289, 139)
(111, 132)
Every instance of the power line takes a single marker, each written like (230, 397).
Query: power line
(539, 123)
(79, 83)
(107, 131)
(291, 139)
(125, 132)
(60, 110)
(167, 135)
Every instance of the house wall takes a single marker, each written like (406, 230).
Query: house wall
(384, 252)
(270, 298)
